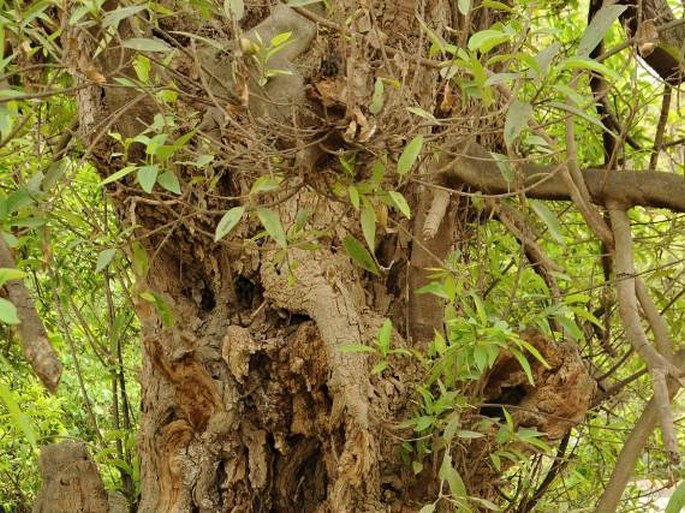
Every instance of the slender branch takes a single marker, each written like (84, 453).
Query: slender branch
(632, 448)
(660, 127)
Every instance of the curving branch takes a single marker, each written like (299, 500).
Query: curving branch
(633, 446)
(626, 288)
(476, 168)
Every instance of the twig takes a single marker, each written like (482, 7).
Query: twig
(660, 127)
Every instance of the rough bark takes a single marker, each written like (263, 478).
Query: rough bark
(71, 481)
(249, 403)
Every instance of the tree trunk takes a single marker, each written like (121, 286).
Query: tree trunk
(249, 402)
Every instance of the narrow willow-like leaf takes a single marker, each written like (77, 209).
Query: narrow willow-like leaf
(104, 258)
(227, 222)
(359, 254)
(7, 274)
(146, 45)
(368, 222)
(20, 420)
(550, 220)
(517, 118)
(272, 224)
(409, 155)
(401, 203)
(598, 27)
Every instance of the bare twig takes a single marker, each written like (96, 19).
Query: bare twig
(660, 127)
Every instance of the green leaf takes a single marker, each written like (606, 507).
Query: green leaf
(20, 420)
(377, 98)
(469, 435)
(580, 113)
(115, 16)
(234, 9)
(8, 312)
(525, 365)
(401, 203)
(384, 335)
(486, 40)
(147, 176)
(368, 222)
(146, 45)
(169, 181)
(354, 196)
(428, 508)
(591, 64)
(7, 274)
(272, 224)
(422, 114)
(517, 118)
(227, 222)
(449, 473)
(104, 258)
(550, 220)
(676, 503)
(464, 6)
(598, 27)
(266, 183)
(280, 39)
(359, 254)
(409, 155)
(141, 263)
(379, 367)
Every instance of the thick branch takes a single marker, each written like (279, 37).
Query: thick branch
(630, 188)
(34, 339)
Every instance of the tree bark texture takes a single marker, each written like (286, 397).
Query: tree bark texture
(249, 403)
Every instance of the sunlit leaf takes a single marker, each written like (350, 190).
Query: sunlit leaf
(598, 27)
(7, 274)
(517, 118)
(486, 40)
(20, 420)
(676, 504)
(409, 155)
(401, 203)
(147, 176)
(8, 312)
(549, 219)
(104, 258)
(228, 221)
(272, 224)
